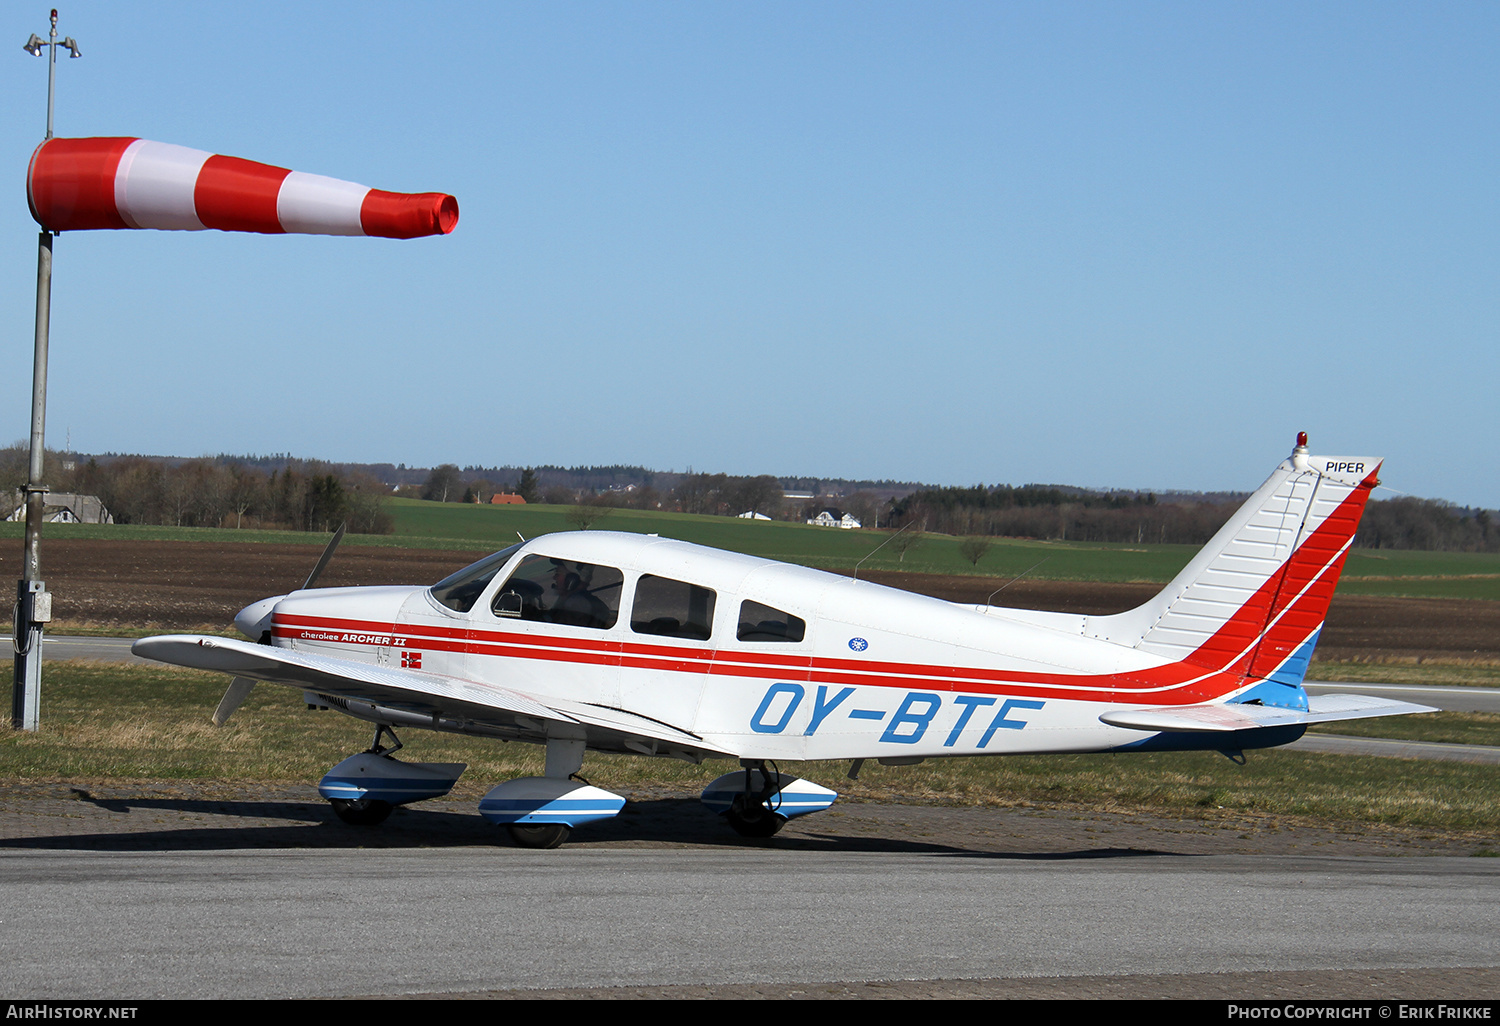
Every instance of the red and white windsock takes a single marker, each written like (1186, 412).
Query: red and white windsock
(78, 184)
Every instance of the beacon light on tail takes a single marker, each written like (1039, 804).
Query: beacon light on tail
(81, 184)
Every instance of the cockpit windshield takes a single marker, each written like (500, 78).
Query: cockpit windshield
(460, 591)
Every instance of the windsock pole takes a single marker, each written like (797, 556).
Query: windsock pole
(125, 182)
(33, 602)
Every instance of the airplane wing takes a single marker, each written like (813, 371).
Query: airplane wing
(413, 691)
(1241, 716)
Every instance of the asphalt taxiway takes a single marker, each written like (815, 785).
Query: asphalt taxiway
(170, 895)
(287, 923)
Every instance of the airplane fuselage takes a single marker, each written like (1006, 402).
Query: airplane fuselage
(873, 672)
(635, 643)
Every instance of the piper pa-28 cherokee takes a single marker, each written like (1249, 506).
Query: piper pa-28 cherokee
(635, 643)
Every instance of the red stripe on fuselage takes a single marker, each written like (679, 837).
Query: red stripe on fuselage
(1283, 613)
(755, 665)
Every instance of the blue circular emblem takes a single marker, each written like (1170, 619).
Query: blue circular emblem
(858, 644)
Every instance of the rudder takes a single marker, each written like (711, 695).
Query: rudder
(1253, 600)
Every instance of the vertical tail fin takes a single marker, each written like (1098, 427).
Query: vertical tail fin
(1253, 600)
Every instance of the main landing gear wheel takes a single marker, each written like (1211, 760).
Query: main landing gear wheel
(750, 818)
(541, 835)
(361, 811)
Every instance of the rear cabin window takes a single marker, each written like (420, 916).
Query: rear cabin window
(766, 623)
(672, 609)
(544, 589)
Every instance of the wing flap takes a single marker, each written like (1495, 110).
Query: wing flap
(1230, 717)
(623, 721)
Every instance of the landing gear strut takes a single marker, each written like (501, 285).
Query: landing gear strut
(753, 811)
(375, 746)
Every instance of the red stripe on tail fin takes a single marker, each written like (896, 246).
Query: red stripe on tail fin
(1307, 583)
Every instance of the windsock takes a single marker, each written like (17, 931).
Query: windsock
(78, 184)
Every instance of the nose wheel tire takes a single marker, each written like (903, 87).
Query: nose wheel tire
(361, 811)
(542, 835)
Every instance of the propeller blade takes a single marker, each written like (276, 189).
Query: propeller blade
(239, 690)
(255, 616)
(317, 571)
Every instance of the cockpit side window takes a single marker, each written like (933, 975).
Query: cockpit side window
(672, 609)
(760, 622)
(460, 591)
(545, 589)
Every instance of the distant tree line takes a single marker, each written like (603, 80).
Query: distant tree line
(282, 492)
(1059, 513)
(1430, 524)
(597, 480)
(713, 494)
(211, 492)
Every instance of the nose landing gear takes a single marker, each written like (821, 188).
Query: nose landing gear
(364, 788)
(361, 811)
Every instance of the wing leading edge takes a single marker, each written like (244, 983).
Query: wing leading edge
(411, 691)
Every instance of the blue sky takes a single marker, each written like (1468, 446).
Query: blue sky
(1105, 244)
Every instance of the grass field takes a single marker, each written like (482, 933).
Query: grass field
(1451, 574)
(435, 525)
(496, 526)
(146, 723)
(1447, 728)
(1426, 674)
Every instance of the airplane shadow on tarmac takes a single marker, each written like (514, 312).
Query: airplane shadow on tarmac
(188, 824)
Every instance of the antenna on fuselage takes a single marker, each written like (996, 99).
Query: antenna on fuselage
(878, 548)
(1013, 580)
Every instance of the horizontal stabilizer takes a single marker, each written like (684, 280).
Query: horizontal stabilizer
(1242, 716)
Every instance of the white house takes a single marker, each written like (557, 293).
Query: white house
(835, 518)
(66, 508)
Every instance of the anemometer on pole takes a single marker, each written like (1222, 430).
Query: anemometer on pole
(33, 603)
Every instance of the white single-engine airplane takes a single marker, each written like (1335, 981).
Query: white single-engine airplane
(635, 643)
